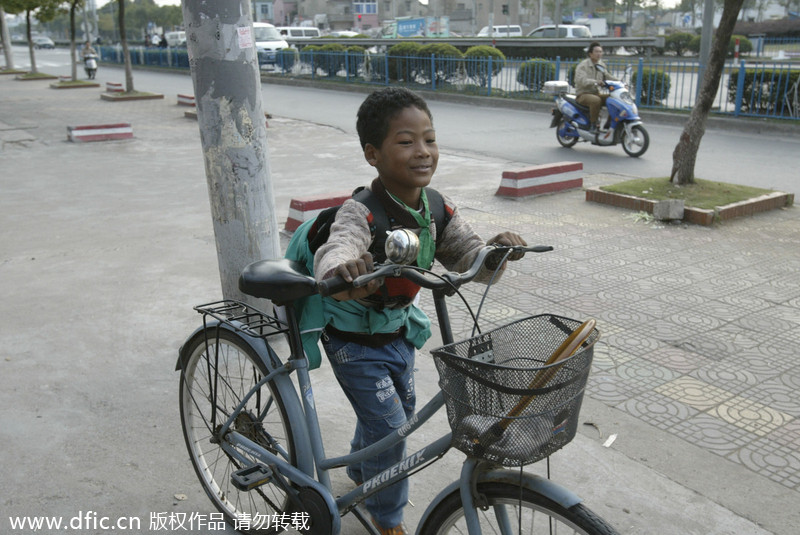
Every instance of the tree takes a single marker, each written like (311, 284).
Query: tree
(73, 6)
(42, 10)
(126, 53)
(6, 44)
(685, 154)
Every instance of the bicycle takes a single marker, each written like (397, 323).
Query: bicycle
(256, 445)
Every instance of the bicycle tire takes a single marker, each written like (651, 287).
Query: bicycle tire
(530, 513)
(236, 369)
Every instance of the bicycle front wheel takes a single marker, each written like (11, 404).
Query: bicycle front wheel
(515, 510)
(219, 371)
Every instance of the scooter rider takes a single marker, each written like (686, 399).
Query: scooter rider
(87, 50)
(589, 76)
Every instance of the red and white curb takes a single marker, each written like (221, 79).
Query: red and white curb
(186, 100)
(541, 179)
(302, 209)
(113, 87)
(100, 132)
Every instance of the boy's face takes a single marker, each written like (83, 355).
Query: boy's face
(408, 155)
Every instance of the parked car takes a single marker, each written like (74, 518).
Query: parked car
(568, 31)
(343, 33)
(268, 42)
(502, 30)
(43, 42)
(298, 31)
(175, 39)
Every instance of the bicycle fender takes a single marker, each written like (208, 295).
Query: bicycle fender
(555, 492)
(283, 383)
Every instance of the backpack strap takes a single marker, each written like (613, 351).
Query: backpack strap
(439, 212)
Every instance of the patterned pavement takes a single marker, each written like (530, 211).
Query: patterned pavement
(700, 326)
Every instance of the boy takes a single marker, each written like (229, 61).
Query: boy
(371, 332)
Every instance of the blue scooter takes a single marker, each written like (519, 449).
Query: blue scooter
(623, 124)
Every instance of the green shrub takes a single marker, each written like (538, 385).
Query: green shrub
(286, 58)
(535, 72)
(694, 44)
(355, 59)
(477, 62)
(446, 61)
(655, 85)
(745, 45)
(764, 91)
(678, 42)
(404, 61)
(328, 57)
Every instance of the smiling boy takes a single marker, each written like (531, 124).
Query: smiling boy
(372, 332)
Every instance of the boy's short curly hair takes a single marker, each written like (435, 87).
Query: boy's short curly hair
(379, 108)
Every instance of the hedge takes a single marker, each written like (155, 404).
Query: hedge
(656, 85)
(477, 62)
(745, 45)
(446, 61)
(535, 72)
(403, 61)
(765, 91)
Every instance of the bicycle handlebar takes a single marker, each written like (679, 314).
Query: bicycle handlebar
(449, 280)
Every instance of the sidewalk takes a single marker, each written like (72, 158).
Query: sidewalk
(107, 246)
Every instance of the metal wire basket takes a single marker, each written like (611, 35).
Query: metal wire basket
(489, 377)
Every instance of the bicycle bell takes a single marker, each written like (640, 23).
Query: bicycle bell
(402, 246)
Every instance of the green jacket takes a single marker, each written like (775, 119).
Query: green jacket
(315, 312)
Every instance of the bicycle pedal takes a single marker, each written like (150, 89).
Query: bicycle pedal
(251, 477)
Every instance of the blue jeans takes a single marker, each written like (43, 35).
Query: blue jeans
(379, 382)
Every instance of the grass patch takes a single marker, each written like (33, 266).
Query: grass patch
(36, 76)
(703, 194)
(74, 83)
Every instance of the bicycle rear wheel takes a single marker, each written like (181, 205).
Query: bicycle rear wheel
(517, 511)
(219, 371)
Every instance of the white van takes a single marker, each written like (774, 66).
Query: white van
(268, 42)
(175, 39)
(502, 30)
(289, 32)
(566, 31)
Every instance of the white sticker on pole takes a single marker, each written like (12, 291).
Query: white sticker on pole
(245, 37)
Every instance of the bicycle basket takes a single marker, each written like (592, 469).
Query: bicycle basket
(493, 410)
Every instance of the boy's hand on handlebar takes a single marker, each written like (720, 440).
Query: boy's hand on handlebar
(508, 239)
(352, 269)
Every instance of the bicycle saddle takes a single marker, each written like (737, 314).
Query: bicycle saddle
(280, 280)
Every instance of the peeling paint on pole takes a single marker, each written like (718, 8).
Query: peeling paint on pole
(233, 134)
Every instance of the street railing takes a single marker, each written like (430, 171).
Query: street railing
(747, 88)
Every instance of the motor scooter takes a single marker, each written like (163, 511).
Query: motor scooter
(90, 65)
(622, 124)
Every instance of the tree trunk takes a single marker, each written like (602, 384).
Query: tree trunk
(685, 154)
(9, 54)
(72, 48)
(34, 70)
(125, 52)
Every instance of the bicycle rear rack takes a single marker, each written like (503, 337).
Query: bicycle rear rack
(243, 318)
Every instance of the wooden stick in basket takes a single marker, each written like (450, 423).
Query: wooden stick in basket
(566, 349)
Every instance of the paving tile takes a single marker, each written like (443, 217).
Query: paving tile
(694, 392)
(658, 410)
(771, 459)
(750, 415)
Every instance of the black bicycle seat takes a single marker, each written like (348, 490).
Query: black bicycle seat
(280, 280)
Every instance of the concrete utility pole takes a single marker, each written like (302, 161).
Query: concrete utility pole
(227, 89)
(705, 40)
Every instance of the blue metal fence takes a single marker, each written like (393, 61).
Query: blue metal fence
(752, 88)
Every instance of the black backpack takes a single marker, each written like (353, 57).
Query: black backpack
(381, 222)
